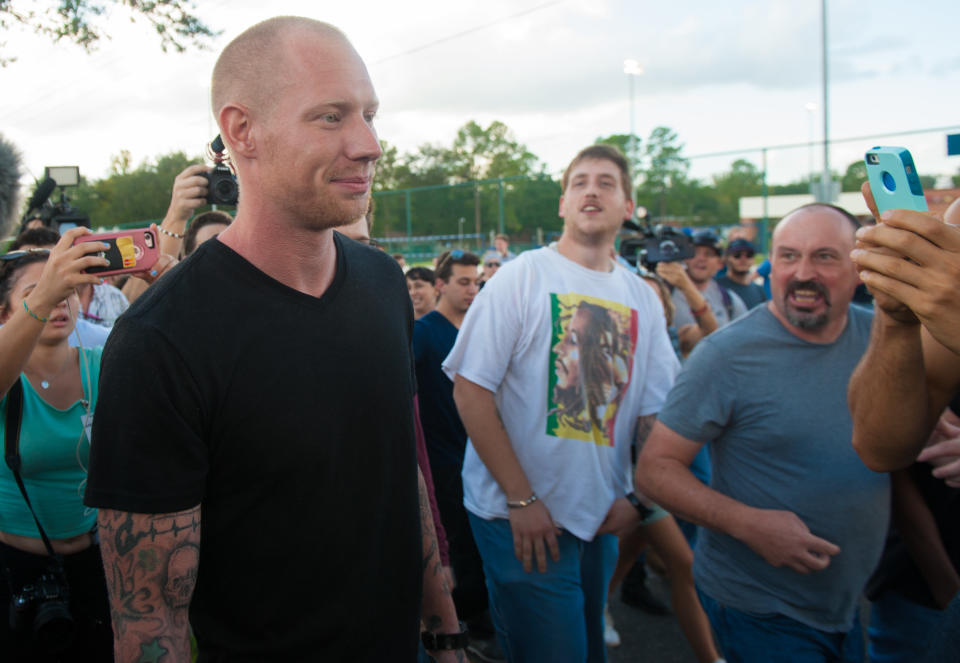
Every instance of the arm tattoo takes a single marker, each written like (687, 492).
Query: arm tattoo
(151, 566)
(432, 564)
(644, 426)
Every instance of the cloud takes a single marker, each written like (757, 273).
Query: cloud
(573, 59)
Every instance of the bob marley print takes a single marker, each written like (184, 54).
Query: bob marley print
(591, 359)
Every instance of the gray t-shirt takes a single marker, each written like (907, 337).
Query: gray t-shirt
(713, 295)
(774, 409)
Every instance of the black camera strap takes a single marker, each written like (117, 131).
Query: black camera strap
(11, 451)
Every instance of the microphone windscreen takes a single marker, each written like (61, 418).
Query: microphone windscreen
(9, 184)
(40, 194)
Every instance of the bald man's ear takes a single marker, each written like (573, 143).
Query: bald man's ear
(236, 130)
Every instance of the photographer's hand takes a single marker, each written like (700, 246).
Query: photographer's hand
(189, 193)
(64, 271)
(675, 274)
(25, 313)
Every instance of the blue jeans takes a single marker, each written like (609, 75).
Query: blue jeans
(552, 616)
(944, 644)
(748, 638)
(900, 629)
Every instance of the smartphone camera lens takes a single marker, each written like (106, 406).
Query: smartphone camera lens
(873, 158)
(888, 182)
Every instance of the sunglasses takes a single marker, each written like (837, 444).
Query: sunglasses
(16, 255)
(455, 254)
(742, 254)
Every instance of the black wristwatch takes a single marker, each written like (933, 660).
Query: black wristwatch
(641, 508)
(446, 641)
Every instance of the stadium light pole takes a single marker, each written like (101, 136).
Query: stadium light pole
(632, 69)
(826, 193)
(811, 109)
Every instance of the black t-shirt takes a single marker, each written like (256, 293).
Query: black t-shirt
(289, 419)
(445, 436)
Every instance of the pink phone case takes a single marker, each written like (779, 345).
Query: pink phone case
(130, 252)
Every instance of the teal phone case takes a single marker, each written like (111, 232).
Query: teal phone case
(894, 180)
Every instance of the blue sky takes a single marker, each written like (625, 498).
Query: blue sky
(724, 76)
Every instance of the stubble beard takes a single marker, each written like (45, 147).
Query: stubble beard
(323, 213)
(807, 320)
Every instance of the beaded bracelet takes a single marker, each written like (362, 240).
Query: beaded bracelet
(170, 234)
(31, 313)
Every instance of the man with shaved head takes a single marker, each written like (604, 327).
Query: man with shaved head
(234, 440)
(793, 521)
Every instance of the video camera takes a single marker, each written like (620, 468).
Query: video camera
(221, 182)
(655, 244)
(59, 216)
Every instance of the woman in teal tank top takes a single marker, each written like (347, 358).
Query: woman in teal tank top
(51, 608)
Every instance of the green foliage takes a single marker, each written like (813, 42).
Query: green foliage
(666, 167)
(623, 143)
(791, 188)
(131, 194)
(743, 179)
(477, 153)
(83, 21)
(855, 175)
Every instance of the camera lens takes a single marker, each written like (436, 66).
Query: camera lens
(873, 158)
(53, 627)
(226, 189)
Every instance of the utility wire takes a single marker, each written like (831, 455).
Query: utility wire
(854, 139)
(504, 19)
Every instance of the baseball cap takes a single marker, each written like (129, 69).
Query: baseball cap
(707, 238)
(741, 244)
(492, 256)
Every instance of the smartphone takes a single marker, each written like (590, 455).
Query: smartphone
(894, 180)
(130, 251)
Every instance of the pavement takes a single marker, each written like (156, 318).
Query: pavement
(645, 637)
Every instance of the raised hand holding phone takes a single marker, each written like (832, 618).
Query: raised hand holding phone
(128, 252)
(893, 179)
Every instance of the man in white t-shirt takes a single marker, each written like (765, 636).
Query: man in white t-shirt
(560, 362)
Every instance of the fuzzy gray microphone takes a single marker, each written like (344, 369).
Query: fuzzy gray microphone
(9, 184)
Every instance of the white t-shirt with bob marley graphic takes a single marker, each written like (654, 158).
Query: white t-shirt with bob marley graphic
(573, 357)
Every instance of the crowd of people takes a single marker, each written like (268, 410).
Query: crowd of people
(267, 446)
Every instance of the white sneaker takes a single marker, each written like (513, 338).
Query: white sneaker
(610, 635)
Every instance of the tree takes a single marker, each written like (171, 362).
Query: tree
(481, 153)
(477, 153)
(666, 167)
(623, 143)
(855, 175)
(743, 179)
(130, 195)
(83, 21)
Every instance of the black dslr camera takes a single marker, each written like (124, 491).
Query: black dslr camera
(654, 245)
(43, 608)
(221, 182)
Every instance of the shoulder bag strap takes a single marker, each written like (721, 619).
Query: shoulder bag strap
(11, 451)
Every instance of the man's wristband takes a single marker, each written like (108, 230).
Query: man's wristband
(700, 311)
(641, 508)
(446, 641)
(519, 504)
